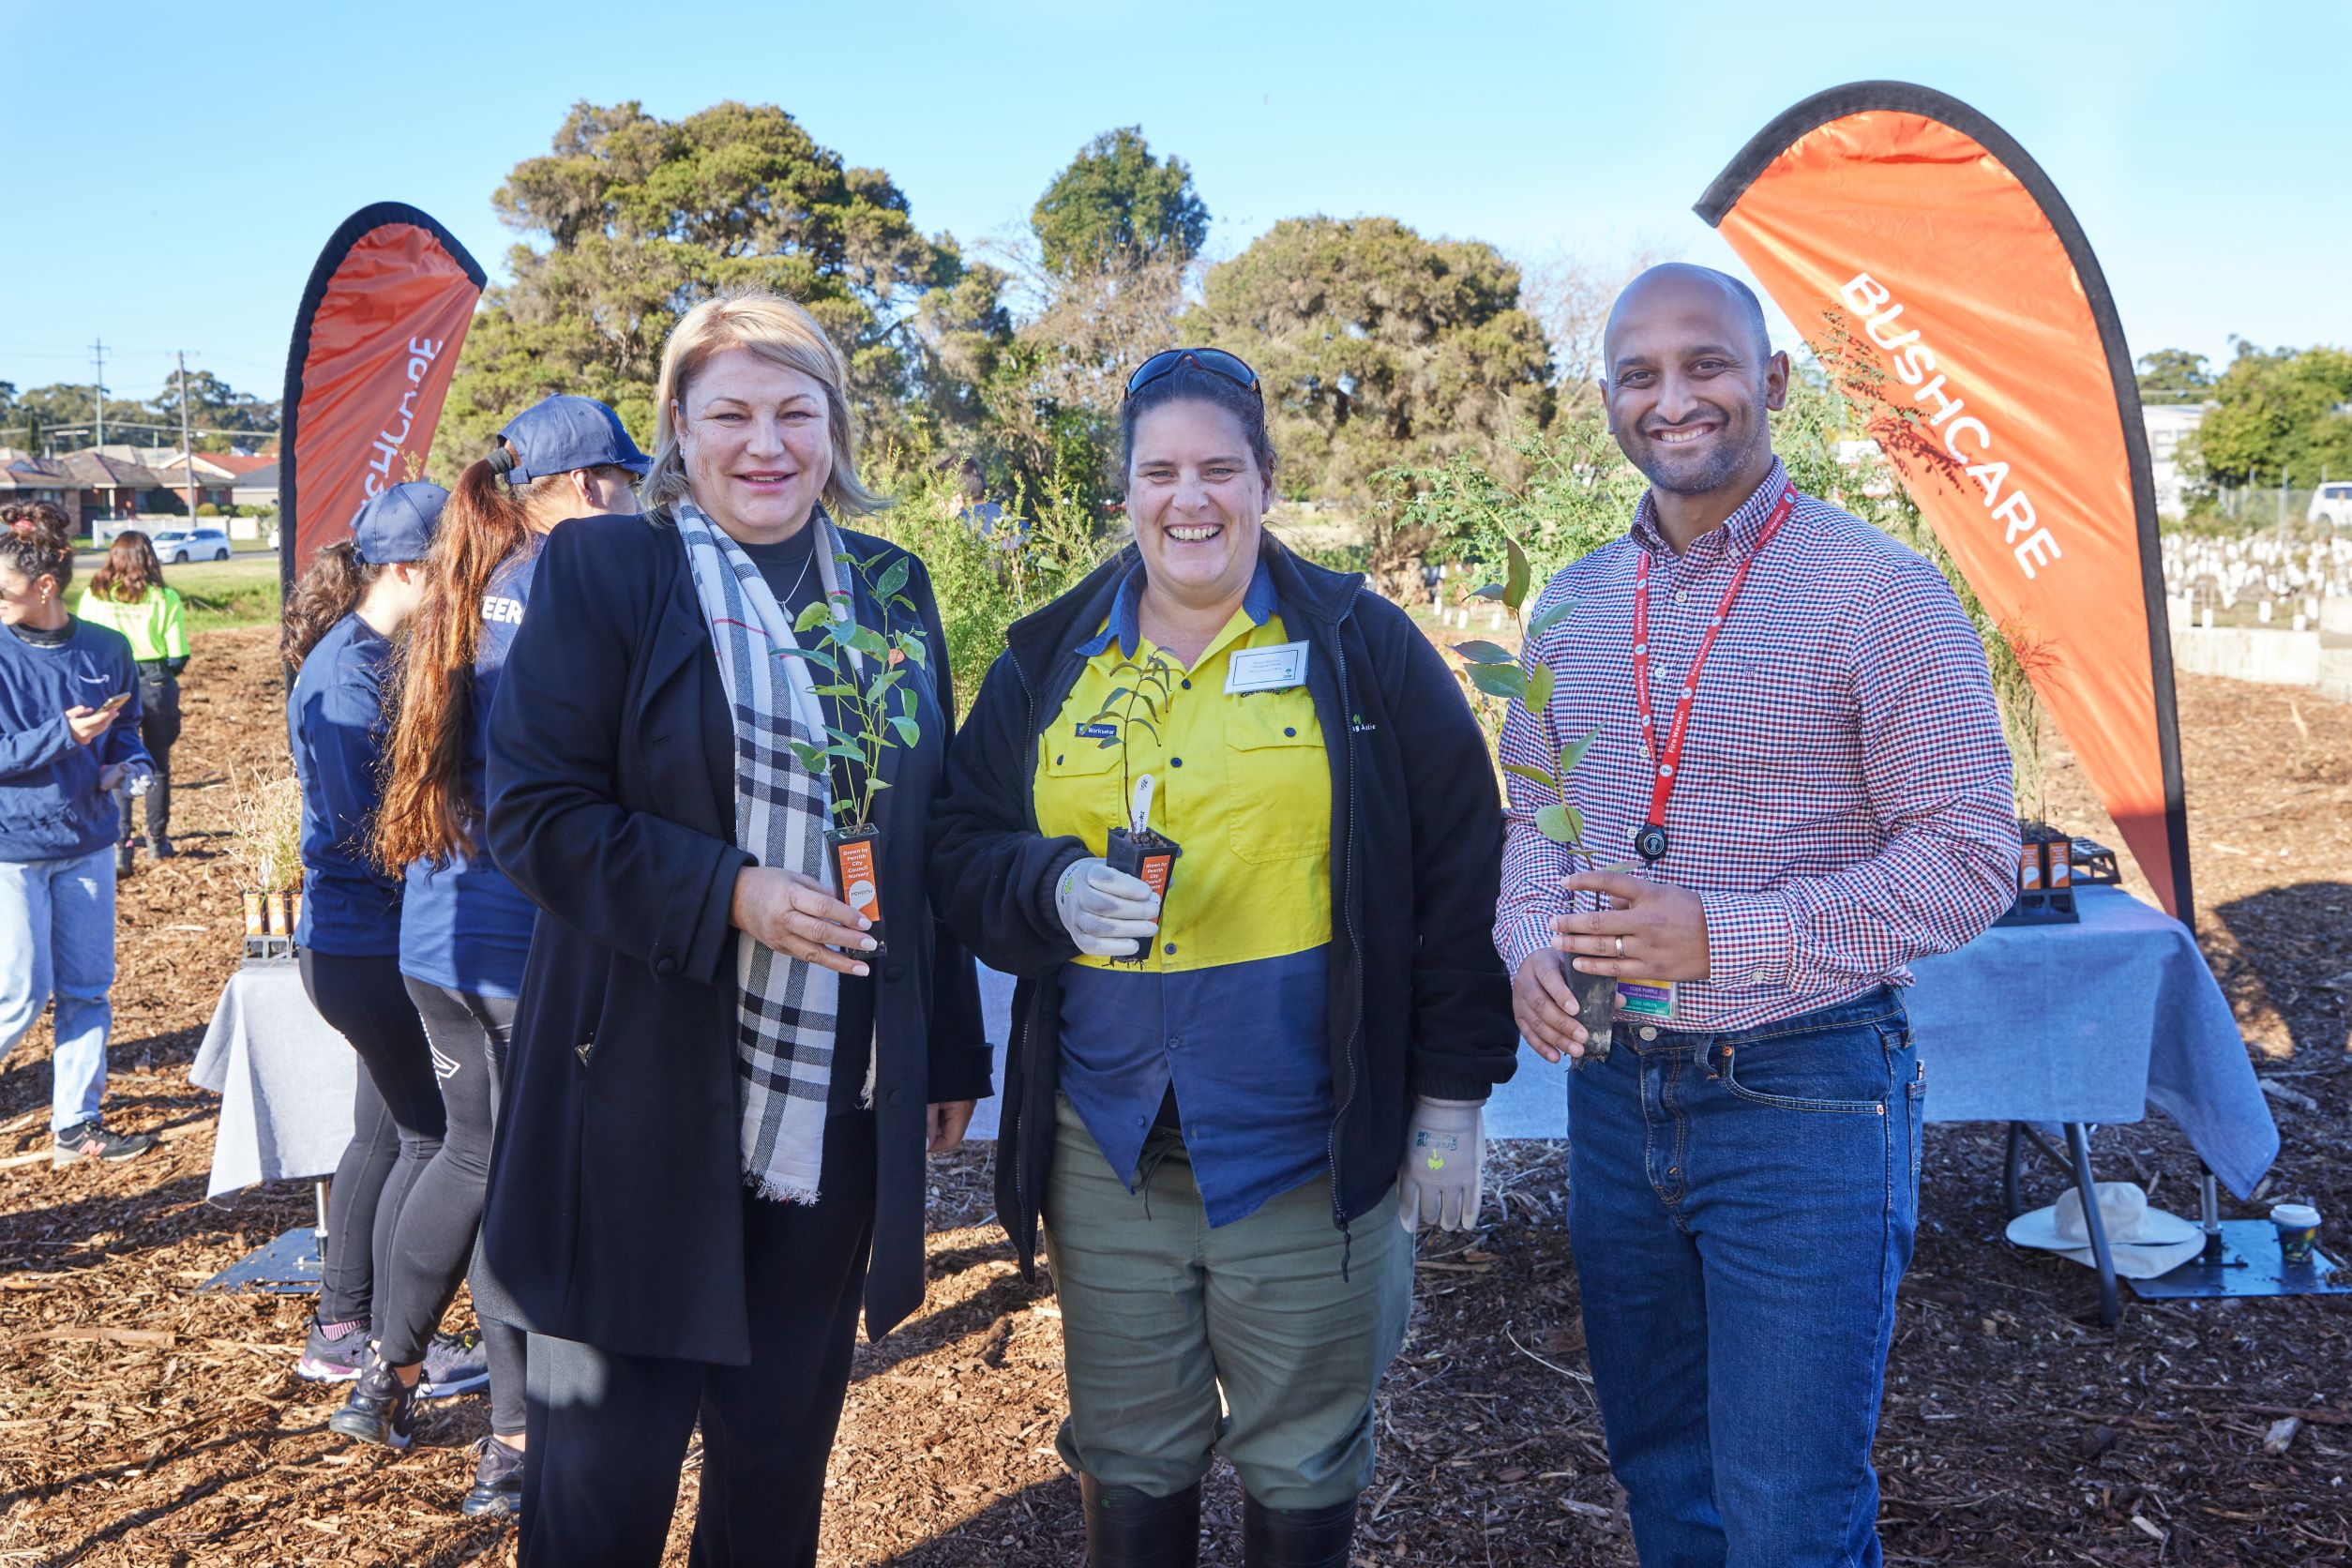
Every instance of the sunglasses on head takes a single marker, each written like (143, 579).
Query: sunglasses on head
(1215, 361)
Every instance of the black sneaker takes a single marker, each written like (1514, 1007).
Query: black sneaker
(124, 864)
(90, 1142)
(161, 847)
(454, 1363)
(380, 1409)
(497, 1482)
(333, 1353)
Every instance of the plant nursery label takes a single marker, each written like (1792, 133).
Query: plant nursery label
(1266, 668)
(1645, 1001)
(858, 884)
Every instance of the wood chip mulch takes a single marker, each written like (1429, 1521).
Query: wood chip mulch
(143, 1423)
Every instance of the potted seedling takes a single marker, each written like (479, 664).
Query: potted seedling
(265, 847)
(1137, 849)
(1496, 671)
(866, 674)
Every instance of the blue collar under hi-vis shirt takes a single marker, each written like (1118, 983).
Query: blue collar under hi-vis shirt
(1228, 1006)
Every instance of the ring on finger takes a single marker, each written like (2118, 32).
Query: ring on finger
(1620, 947)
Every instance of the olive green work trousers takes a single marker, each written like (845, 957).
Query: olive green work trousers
(1161, 1315)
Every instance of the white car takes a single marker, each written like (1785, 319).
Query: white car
(2331, 503)
(179, 546)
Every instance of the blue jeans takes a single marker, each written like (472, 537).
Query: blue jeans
(57, 934)
(1742, 1206)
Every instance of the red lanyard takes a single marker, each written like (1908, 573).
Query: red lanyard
(1651, 842)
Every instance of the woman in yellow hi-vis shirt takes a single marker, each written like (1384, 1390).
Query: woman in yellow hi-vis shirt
(129, 595)
(1230, 1107)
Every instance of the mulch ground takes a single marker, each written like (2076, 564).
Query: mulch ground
(142, 1422)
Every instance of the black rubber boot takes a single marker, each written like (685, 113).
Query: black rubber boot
(1297, 1537)
(1129, 1528)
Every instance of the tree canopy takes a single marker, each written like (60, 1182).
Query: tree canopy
(1377, 348)
(2283, 411)
(1116, 202)
(639, 219)
(2174, 376)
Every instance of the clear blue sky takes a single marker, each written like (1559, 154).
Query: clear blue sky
(175, 173)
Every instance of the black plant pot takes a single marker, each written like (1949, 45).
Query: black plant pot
(1596, 1009)
(1151, 858)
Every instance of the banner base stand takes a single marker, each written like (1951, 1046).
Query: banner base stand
(2246, 1262)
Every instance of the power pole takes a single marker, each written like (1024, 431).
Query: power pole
(97, 363)
(188, 448)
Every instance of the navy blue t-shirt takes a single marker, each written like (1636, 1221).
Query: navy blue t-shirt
(335, 723)
(463, 926)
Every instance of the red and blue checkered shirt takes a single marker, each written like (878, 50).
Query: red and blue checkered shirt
(1843, 804)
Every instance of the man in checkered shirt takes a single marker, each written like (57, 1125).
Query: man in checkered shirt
(1744, 1168)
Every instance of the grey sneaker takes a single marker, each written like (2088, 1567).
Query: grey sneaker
(333, 1353)
(91, 1141)
(454, 1363)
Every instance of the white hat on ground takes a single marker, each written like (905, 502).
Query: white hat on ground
(2142, 1241)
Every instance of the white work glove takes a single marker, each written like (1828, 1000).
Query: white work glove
(1108, 914)
(1445, 1147)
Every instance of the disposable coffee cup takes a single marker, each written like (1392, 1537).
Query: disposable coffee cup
(2298, 1231)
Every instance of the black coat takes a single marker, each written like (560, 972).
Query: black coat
(1419, 1003)
(616, 1206)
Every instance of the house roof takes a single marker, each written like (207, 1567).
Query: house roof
(239, 463)
(263, 478)
(95, 469)
(22, 473)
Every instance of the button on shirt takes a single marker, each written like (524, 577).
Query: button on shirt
(1843, 804)
(1228, 1005)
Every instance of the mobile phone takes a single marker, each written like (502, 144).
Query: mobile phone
(114, 703)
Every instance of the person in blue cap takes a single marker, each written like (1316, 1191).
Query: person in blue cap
(340, 626)
(465, 929)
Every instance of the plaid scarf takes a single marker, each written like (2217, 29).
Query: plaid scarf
(786, 1011)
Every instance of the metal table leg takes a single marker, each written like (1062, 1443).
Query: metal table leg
(2110, 1300)
(2011, 1168)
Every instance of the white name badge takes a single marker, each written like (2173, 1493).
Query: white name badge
(1266, 668)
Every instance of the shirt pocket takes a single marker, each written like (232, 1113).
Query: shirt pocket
(1277, 792)
(1077, 789)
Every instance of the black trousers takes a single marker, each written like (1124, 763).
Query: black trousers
(396, 1122)
(609, 1431)
(159, 726)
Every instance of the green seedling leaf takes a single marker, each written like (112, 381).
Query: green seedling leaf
(893, 580)
(812, 756)
(1539, 689)
(916, 651)
(1505, 681)
(1573, 752)
(909, 733)
(815, 615)
(817, 656)
(1485, 653)
(1491, 590)
(1550, 617)
(1515, 579)
(1534, 776)
(1575, 826)
(854, 753)
(866, 640)
(1557, 823)
(834, 689)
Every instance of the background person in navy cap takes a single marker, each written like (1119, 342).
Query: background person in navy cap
(340, 625)
(465, 929)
